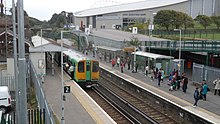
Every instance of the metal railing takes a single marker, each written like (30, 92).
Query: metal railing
(186, 45)
(42, 102)
(202, 72)
(195, 45)
(8, 81)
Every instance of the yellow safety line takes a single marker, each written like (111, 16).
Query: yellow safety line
(85, 103)
(82, 100)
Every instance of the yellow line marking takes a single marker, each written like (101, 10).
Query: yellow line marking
(83, 99)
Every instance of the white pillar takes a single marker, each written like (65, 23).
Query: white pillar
(52, 63)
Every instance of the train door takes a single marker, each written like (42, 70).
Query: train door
(88, 70)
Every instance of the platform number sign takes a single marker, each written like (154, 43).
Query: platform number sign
(66, 89)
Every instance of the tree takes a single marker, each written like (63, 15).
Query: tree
(140, 26)
(177, 19)
(187, 21)
(58, 20)
(134, 41)
(163, 18)
(203, 20)
(216, 20)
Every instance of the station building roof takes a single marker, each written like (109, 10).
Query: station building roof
(147, 4)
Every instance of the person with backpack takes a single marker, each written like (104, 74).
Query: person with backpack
(196, 96)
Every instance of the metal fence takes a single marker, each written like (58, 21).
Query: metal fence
(8, 81)
(36, 116)
(202, 72)
(42, 102)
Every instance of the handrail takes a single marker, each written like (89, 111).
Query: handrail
(194, 45)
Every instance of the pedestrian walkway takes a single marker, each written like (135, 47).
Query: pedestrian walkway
(79, 108)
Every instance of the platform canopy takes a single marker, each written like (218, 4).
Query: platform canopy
(152, 55)
(109, 48)
(45, 45)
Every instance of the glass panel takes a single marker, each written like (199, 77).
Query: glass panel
(95, 67)
(81, 67)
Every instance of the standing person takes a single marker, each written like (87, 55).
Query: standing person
(118, 61)
(122, 66)
(136, 68)
(96, 49)
(156, 75)
(185, 82)
(216, 82)
(129, 64)
(113, 63)
(204, 90)
(159, 77)
(162, 75)
(196, 96)
(146, 70)
(178, 79)
(100, 56)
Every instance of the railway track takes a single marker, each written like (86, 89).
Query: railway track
(108, 107)
(142, 109)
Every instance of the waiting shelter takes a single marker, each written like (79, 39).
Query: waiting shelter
(154, 60)
(109, 53)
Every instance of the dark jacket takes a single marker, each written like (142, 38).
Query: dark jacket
(196, 94)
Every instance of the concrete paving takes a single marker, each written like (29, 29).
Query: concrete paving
(74, 112)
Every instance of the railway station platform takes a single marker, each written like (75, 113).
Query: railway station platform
(209, 109)
(79, 108)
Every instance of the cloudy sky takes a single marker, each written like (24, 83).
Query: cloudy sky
(44, 9)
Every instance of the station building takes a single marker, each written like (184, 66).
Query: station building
(122, 15)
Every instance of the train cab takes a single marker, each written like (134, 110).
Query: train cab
(83, 70)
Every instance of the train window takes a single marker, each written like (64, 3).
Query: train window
(95, 67)
(81, 67)
(88, 67)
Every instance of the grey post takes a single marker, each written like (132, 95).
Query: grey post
(62, 93)
(22, 68)
(15, 62)
(41, 57)
(150, 35)
(62, 83)
(179, 48)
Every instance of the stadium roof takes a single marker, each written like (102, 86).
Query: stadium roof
(147, 4)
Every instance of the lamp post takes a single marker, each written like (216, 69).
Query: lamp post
(151, 27)
(62, 83)
(22, 65)
(15, 63)
(41, 57)
(179, 65)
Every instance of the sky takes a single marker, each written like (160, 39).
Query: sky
(44, 9)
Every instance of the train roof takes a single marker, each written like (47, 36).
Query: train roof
(75, 55)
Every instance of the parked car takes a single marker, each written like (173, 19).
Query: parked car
(5, 99)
